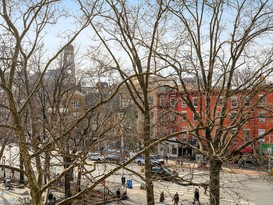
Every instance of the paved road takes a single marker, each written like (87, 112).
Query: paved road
(254, 189)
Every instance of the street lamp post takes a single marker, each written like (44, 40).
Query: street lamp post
(10, 146)
(4, 162)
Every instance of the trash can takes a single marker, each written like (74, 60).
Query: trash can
(129, 183)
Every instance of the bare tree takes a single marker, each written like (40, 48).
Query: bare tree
(122, 29)
(215, 42)
(25, 27)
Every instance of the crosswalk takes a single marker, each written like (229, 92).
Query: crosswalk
(186, 194)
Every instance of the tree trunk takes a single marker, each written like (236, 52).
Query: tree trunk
(214, 184)
(47, 167)
(21, 175)
(67, 179)
(148, 177)
(79, 179)
(148, 168)
(36, 198)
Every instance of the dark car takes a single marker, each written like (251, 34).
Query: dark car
(163, 172)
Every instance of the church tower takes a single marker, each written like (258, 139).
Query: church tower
(69, 65)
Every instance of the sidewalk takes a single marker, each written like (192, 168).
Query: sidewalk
(136, 195)
(13, 196)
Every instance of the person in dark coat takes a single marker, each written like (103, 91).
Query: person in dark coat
(175, 199)
(123, 180)
(162, 197)
(118, 195)
(196, 196)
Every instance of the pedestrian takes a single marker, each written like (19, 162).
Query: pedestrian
(205, 189)
(118, 195)
(175, 199)
(162, 197)
(123, 180)
(196, 196)
(166, 158)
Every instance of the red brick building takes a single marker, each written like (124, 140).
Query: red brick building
(251, 110)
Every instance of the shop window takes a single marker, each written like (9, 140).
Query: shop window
(174, 149)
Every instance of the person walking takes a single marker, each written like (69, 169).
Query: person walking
(118, 195)
(123, 180)
(162, 197)
(196, 196)
(166, 158)
(175, 199)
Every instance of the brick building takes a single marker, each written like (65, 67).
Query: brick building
(250, 111)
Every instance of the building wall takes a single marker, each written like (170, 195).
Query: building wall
(176, 115)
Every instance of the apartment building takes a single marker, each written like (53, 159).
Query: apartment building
(247, 114)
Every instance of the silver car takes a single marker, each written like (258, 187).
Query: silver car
(96, 157)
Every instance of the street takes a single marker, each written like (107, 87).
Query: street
(242, 187)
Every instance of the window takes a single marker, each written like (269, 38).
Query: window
(233, 116)
(184, 104)
(184, 116)
(220, 101)
(184, 135)
(262, 117)
(76, 104)
(172, 130)
(247, 101)
(260, 133)
(246, 117)
(247, 134)
(162, 117)
(261, 100)
(162, 101)
(172, 101)
(172, 116)
(234, 101)
(195, 101)
(195, 117)
(174, 149)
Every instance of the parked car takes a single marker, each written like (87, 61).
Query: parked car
(153, 158)
(96, 157)
(112, 157)
(163, 172)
